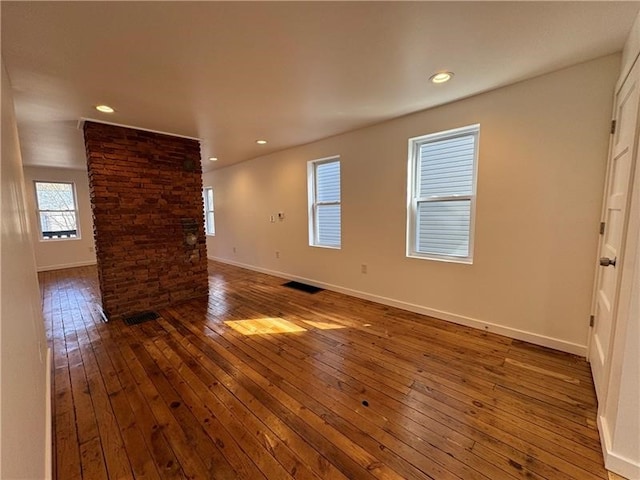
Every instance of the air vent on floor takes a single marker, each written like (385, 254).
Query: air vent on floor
(303, 287)
(140, 318)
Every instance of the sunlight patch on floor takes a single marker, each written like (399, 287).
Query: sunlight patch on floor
(264, 326)
(272, 325)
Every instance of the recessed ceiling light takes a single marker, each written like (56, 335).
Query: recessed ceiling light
(441, 77)
(261, 142)
(105, 109)
(213, 159)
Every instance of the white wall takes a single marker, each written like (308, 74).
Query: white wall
(630, 52)
(55, 254)
(543, 149)
(23, 352)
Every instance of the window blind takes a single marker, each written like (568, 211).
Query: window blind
(443, 227)
(327, 205)
(446, 167)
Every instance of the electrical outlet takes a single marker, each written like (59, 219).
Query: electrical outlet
(363, 268)
(277, 254)
(272, 219)
(234, 249)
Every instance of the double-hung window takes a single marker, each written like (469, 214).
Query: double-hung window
(324, 202)
(442, 191)
(57, 212)
(209, 215)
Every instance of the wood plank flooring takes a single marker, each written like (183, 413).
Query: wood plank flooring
(259, 381)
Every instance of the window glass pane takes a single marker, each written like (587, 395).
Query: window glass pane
(328, 182)
(58, 224)
(55, 196)
(211, 228)
(446, 167)
(209, 198)
(328, 225)
(443, 228)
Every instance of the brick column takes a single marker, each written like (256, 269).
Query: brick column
(146, 197)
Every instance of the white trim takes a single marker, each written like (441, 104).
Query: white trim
(61, 266)
(514, 333)
(330, 247)
(82, 121)
(48, 434)
(53, 240)
(443, 258)
(615, 463)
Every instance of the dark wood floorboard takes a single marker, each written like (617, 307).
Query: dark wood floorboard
(259, 381)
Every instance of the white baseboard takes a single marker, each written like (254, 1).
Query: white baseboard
(517, 334)
(618, 464)
(48, 449)
(61, 266)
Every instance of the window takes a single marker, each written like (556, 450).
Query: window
(442, 188)
(324, 202)
(57, 214)
(209, 217)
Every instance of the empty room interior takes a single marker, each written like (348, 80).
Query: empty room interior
(320, 240)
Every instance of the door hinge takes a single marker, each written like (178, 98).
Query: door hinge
(592, 320)
(602, 224)
(613, 127)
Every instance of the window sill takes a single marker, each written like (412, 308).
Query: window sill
(464, 261)
(330, 247)
(51, 240)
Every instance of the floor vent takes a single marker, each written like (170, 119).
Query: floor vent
(140, 318)
(303, 287)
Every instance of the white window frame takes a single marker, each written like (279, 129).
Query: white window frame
(75, 211)
(209, 229)
(413, 189)
(313, 203)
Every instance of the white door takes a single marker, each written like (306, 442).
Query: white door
(620, 167)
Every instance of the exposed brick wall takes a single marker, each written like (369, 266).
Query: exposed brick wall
(146, 197)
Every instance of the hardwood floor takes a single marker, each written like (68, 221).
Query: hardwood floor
(263, 382)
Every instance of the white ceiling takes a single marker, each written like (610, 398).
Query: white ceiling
(290, 72)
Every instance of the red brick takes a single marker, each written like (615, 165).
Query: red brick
(140, 193)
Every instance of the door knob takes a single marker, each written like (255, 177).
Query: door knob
(605, 262)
